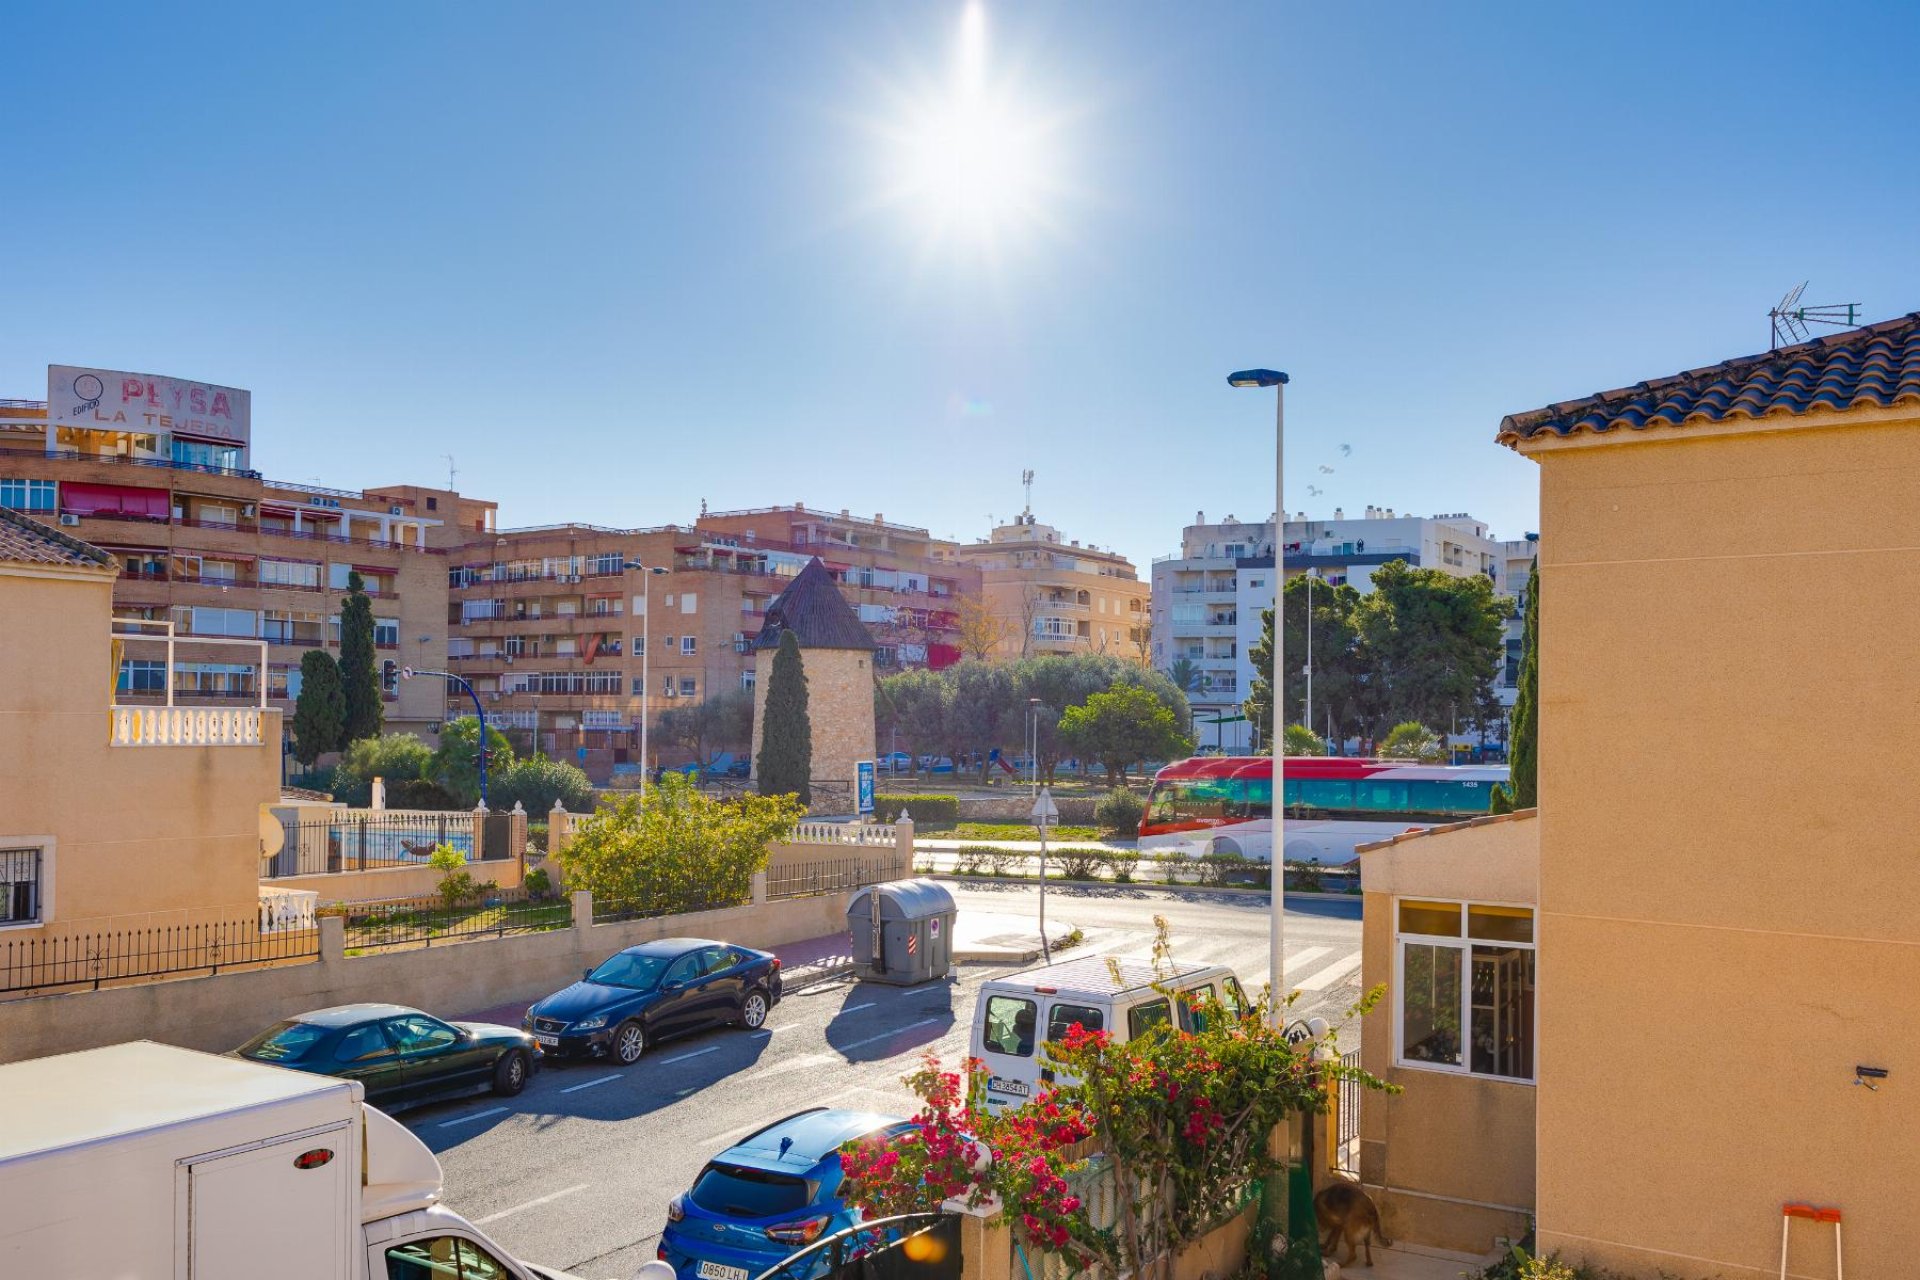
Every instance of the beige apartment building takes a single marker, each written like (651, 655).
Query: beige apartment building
(1053, 595)
(205, 542)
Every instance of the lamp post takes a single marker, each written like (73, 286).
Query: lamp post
(479, 711)
(646, 573)
(1276, 916)
(1308, 718)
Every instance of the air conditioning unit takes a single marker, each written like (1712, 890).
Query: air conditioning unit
(493, 697)
(69, 520)
(739, 637)
(247, 510)
(396, 510)
(573, 577)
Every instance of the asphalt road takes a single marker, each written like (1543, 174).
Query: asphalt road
(576, 1172)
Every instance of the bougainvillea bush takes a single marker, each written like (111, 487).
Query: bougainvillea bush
(1181, 1116)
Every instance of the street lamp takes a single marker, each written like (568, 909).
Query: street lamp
(1276, 914)
(646, 573)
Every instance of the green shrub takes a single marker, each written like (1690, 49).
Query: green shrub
(314, 780)
(418, 793)
(1305, 876)
(987, 860)
(1218, 869)
(537, 837)
(927, 812)
(537, 782)
(1123, 864)
(1120, 811)
(456, 882)
(539, 884)
(1081, 863)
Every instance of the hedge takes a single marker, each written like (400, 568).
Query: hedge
(926, 811)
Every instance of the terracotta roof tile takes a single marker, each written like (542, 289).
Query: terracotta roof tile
(1875, 367)
(24, 540)
(815, 611)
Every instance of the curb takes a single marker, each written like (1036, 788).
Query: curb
(1223, 890)
(815, 978)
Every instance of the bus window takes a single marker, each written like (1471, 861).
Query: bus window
(1143, 1018)
(1063, 1016)
(1380, 795)
(1193, 1011)
(1321, 793)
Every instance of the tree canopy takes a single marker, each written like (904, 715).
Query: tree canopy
(456, 765)
(785, 766)
(396, 757)
(1122, 728)
(534, 783)
(320, 712)
(719, 723)
(1411, 740)
(682, 851)
(365, 712)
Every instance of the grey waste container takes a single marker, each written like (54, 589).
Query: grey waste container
(902, 932)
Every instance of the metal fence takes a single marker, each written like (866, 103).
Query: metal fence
(422, 922)
(92, 959)
(672, 890)
(1346, 1117)
(367, 840)
(830, 875)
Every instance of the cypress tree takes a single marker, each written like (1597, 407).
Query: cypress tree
(1522, 791)
(785, 765)
(365, 714)
(320, 713)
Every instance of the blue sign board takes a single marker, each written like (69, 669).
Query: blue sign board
(863, 771)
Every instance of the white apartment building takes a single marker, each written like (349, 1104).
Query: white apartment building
(1208, 598)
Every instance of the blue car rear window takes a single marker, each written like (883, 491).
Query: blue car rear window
(738, 1192)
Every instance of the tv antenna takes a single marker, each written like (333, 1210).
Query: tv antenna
(1026, 480)
(1790, 319)
(451, 473)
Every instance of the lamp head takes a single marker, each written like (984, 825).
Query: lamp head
(1257, 378)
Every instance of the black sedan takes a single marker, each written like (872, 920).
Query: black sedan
(655, 990)
(402, 1056)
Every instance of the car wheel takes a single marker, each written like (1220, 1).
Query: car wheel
(753, 1010)
(510, 1073)
(629, 1042)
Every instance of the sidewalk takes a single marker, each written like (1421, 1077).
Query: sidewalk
(1415, 1262)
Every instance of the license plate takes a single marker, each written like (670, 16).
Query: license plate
(551, 1042)
(714, 1271)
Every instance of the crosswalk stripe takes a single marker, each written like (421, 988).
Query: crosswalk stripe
(1307, 957)
(1331, 974)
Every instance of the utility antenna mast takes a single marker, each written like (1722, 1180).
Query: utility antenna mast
(451, 473)
(1790, 319)
(1026, 480)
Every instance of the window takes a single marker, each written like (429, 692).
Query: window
(1064, 1016)
(1010, 1024)
(1143, 1018)
(27, 495)
(226, 622)
(443, 1258)
(337, 576)
(742, 1191)
(362, 1044)
(1193, 1007)
(684, 970)
(142, 675)
(418, 1033)
(1466, 988)
(22, 876)
(688, 602)
(687, 644)
(689, 686)
(639, 649)
(605, 563)
(747, 681)
(289, 573)
(386, 633)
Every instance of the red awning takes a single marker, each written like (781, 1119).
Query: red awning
(86, 499)
(240, 557)
(384, 570)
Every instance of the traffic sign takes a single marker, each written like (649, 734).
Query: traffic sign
(1045, 811)
(406, 673)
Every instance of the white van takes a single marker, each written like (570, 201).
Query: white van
(1101, 994)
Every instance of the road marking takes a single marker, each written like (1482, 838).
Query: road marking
(858, 1007)
(548, 1199)
(1330, 975)
(1307, 957)
(785, 1026)
(575, 1088)
(478, 1115)
(885, 1035)
(697, 1053)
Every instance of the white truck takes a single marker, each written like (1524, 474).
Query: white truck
(147, 1162)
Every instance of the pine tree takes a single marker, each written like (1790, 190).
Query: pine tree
(1522, 791)
(365, 713)
(320, 713)
(785, 765)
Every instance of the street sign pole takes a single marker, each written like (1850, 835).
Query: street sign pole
(1045, 814)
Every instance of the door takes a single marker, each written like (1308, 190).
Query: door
(1008, 1023)
(247, 1213)
(368, 1054)
(437, 1058)
(678, 1009)
(723, 984)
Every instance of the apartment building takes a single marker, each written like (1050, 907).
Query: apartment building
(205, 542)
(1054, 595)
(1208, 598)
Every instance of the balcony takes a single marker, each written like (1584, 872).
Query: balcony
(189, 726)
(134, 722)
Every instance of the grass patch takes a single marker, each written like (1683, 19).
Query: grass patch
(1020, 831)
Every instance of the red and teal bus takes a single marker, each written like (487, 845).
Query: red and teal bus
(1224, 804)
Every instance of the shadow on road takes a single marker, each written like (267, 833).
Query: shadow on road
(919, 1017)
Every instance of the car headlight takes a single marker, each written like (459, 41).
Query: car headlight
(594, 1023)
(526, 1021)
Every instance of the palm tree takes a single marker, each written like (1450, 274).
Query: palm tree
(1185, 676)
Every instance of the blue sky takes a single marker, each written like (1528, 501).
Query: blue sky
(620, 258)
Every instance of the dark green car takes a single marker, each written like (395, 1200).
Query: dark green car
(402, 1056)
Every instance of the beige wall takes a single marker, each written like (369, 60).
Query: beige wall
(395, 882)
(217, 1013)
(839, 708)
(1727, 892)
(1451, 1157)
(169, 833)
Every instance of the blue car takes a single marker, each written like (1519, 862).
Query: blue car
(654, 991)
(769, 1197)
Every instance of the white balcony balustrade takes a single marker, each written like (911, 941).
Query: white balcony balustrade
(188, 727)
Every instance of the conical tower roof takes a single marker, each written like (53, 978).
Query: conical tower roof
(818, 615)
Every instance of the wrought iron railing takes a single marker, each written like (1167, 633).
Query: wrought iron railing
(367, 840)
(92, 959)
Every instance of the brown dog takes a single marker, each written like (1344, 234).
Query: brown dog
(1346, 1215)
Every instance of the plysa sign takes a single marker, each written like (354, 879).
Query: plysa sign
(113, 400)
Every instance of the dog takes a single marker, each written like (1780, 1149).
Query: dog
(1347, 1215)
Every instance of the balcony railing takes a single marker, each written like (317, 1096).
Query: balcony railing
(164, 464)
(188, 727)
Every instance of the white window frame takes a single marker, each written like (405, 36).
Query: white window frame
(688, 644)
(1463, 943)
(48, 864)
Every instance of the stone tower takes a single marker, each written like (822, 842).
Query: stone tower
(837, 654)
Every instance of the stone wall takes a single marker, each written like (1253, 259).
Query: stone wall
(839, 708)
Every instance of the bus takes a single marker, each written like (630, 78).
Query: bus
(1224, 804)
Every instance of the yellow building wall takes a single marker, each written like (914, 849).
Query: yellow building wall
(1728, 898)
(839, 709)
(171, 834)
(1451, 1158)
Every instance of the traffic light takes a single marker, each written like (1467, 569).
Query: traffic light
(390, 677)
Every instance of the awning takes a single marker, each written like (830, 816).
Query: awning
(206, 437)
(240, 557)
(384, 570)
